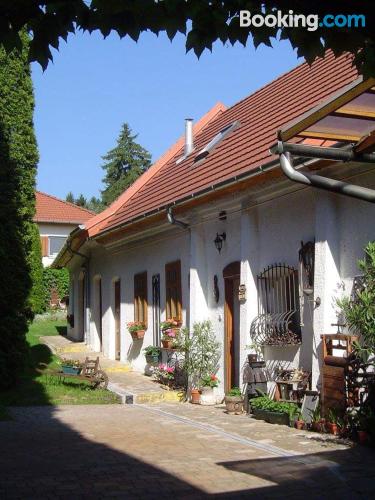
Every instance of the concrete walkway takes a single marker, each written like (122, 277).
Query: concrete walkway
(172, 451)
(132, 386)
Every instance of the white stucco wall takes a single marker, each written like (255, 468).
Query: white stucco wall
(257, 235)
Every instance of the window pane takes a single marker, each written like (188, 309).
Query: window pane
(55, 244)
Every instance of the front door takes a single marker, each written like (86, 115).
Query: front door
(231, 276)
(117, 319)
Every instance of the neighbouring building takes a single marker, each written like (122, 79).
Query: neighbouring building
(56, 219)
(216, 230)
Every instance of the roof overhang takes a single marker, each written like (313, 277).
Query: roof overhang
(345, 125)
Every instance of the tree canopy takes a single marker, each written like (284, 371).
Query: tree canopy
(202, 21)
(123, 165)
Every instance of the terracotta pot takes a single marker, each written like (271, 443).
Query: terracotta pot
(195, 396)
(317, 426)
(362, 437)
(167, 344)
(332, 428)
(139, 334)
(234, 404)
(299, 424)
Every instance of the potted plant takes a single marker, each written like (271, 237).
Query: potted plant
(71, 366)
(208, 393)
(299, 422)
(234, 401)
(333, 422)
(201, 356)
(165, 374)
(273, 412)
(317, 422)
(170, 333)
(366, 424)
(137, 329)
(152, 354)
(195, 396)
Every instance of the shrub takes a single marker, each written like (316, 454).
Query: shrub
(266, 403)
(18, 160)
(360, 310)
(37, 298)
(55, 279)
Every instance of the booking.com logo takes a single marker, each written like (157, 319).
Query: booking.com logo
(311, 21)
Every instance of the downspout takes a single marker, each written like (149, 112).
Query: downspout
(86, 326)
(172, 220)
(320, 182)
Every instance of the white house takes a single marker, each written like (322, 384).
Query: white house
(214, 229)
(56, 219)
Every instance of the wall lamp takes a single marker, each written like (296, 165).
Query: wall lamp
(220, 238)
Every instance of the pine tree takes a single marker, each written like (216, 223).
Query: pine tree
(81, 201)
(123, 165)
(18, 161)
(70, 197)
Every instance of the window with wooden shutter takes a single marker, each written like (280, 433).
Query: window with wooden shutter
(44, 245)
(140, 297)
(173, 290)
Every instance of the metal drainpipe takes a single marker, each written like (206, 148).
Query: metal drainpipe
(86, 325)
(320, 182)
(172, 220)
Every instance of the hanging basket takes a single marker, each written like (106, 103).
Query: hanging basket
(138, 334)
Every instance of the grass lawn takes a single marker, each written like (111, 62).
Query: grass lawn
(33, 388)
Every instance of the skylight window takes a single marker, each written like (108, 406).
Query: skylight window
(216, 140)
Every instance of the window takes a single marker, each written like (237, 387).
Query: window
(140, 297)
(55, 244)
(173, 290)
(278, 320)
(215, 141)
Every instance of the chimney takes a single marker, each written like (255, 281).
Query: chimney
(189, 141)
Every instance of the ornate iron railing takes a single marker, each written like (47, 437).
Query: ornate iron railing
(278, 320)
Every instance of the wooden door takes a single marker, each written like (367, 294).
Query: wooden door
(100, 312)
(117, 319)
(231, 325)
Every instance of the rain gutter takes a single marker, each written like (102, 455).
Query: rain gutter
(286, 151)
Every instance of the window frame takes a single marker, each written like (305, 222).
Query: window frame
(141, 297)
(49, 236)
(173, 291)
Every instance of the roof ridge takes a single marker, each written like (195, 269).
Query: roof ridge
(64, 201)
(153, 170)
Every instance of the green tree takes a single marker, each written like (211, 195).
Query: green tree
(18, 161)
(70, 197)
(37, 295)
(81, 201)
(123, 165)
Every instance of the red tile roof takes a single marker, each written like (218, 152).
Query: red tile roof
(51, 209)
(246, 148)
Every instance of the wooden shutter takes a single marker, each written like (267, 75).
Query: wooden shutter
(140, 297)
(44, 245)
(173, 290)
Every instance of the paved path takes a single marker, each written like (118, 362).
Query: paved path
(122, 379)
(171, 451)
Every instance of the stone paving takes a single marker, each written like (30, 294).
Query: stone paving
(172, 451)
(123, 380)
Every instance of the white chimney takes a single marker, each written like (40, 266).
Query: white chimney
(189, 141)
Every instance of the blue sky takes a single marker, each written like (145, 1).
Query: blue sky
(95, 85)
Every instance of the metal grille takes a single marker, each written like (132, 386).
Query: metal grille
(278, 320)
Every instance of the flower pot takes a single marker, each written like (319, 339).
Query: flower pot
(210, 396)
(152, 359)
(167, 344)
(70, 370)
(234, 404)
(299, 424)
(317, 426)
(332, 428)
(273, 417)
(138, 334)
(259, 414)
(362, 437)
(195, 396)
